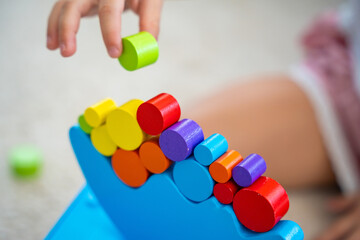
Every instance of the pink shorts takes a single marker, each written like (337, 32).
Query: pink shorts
(327, 77)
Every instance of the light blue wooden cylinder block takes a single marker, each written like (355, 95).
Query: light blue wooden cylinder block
(211, 149)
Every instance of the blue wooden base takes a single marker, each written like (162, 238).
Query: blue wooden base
(84, 219)
(157, 210)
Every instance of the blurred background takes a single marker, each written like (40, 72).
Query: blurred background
(204, 45)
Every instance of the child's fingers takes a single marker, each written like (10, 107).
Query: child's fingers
(342, 203)
(355, 235)
(341, 227)
(110, 21)
(52, 28)
(69, 21)
(134, 5)
(149, 13)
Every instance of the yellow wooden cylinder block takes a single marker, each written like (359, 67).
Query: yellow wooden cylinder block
(123, 127)
(102, 141)
(97, 113)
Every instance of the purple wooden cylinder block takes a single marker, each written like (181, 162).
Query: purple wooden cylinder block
(249, 170)
(178, 141)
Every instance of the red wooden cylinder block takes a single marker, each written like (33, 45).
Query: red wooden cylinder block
(262, 205)
(225, 192)
(158, 113)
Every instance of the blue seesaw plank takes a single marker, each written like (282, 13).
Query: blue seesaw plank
(84, 219)
(157, 210)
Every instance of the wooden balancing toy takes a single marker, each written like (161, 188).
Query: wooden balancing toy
(152, 175)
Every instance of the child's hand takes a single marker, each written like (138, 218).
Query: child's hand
(64, 21)
(347, 226)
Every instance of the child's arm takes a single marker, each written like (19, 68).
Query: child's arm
(64, 21)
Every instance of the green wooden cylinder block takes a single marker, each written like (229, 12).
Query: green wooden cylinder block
(139, 50)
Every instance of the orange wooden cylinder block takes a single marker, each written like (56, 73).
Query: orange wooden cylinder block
(129, 168)
(221, 169)
(153, 157)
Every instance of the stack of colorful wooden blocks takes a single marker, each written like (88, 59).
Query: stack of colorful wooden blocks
(147, 138)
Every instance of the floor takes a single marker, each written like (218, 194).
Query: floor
(203, 46)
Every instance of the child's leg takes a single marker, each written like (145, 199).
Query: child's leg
(270, 116)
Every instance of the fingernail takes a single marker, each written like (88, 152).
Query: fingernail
(48, 41)
(114, 52)
(62, 47)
